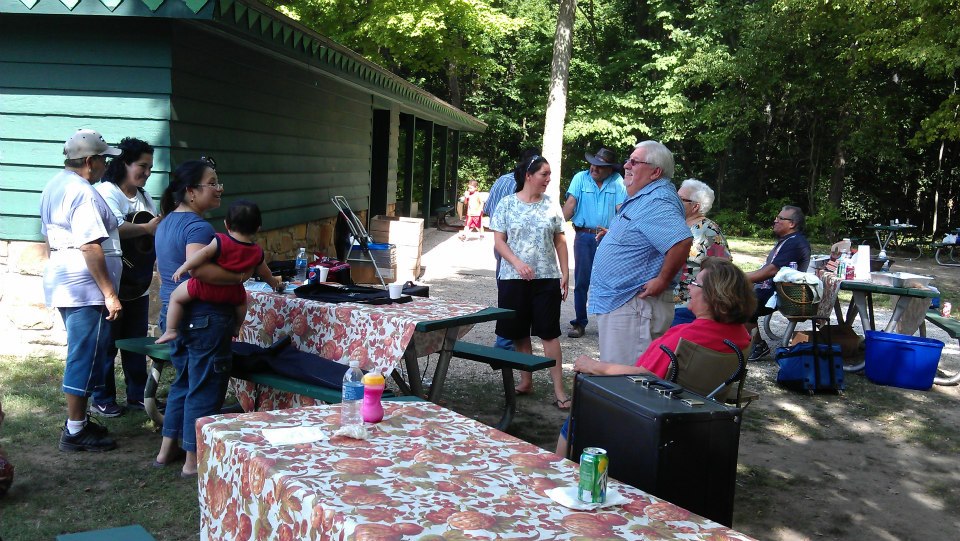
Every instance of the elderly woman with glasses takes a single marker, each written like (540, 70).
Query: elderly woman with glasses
(201, 352)
(708, 241)
(722, 301)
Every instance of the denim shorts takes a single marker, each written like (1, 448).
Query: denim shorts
(88, 348)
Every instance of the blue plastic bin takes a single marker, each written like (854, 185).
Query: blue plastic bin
(903, 361)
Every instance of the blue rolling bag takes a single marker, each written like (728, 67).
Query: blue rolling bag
(811, 366)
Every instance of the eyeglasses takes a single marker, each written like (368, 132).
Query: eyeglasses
(216, 186)
(634, 162)
(697, 284)
(685, 200)
(209, 161)
(782, 219)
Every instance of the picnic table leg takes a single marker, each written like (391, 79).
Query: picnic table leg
(401, 384)
(510, 400)
(859, 305)
(413, 370)
(150, 391)
(443, 362)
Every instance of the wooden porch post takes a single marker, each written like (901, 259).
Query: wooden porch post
(427, 166)
(445, 187)
(409, 125)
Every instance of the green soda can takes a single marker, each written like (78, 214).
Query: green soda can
(593, 475)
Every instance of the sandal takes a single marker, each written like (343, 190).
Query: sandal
(562, 405)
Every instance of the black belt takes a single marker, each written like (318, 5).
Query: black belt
(592, 231)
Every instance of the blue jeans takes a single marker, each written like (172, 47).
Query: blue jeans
(502, 343)
(202, 357)
(88, 344)
(681, 315)
(584, 248)
(133, 324)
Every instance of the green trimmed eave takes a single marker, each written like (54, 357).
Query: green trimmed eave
(258, 22)
(175, 9)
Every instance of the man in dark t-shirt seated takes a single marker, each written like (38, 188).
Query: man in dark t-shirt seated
(792, 249)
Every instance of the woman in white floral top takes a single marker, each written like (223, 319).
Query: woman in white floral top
(528, 235)
(697, 199)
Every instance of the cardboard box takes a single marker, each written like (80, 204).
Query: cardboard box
(842, 335)
(398, 230)
(362, 272)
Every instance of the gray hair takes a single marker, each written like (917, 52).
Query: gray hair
(701, 193)
(659, 156)
(796, 215)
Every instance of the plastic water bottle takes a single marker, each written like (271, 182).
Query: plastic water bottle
(352, 397)
(301, 265)
(372, 410)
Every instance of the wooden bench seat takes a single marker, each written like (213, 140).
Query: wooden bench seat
(951, 327)
(161, 353)
(506, 361)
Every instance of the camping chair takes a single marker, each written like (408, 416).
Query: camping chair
(357, 232)
(713, 374)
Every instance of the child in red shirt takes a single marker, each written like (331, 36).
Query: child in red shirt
(235, 251)
(474, 206)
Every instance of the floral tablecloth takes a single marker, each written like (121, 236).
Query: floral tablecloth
(377, 336)
(425, 472)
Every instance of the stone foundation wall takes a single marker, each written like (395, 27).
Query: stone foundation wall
(27, 326)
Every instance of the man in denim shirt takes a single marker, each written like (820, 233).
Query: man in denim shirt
(592, 200)
(639, 258)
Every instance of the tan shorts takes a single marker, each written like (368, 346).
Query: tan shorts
(626, 332)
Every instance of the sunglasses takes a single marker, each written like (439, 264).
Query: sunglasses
(209, 161)
(782, 219)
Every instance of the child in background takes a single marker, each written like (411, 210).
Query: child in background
(235, 251)
(473, 202)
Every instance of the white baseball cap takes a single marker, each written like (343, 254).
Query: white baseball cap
(88, 143)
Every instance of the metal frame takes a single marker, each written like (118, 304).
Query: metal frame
(357, 232)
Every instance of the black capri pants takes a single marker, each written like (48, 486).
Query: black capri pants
(537, 304)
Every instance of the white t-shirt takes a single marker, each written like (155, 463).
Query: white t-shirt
(73, 213)
(121, 206)
(530, 228)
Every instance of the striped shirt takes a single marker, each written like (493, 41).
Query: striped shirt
(504, 186)
(633, 250)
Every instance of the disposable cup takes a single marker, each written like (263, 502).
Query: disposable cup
(396, 290)
(322, 274)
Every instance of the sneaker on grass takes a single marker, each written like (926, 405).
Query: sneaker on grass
(106, 410)
(760, 350)
(92, 437)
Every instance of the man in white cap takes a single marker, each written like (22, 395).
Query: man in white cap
(78, 280)
(592, 200)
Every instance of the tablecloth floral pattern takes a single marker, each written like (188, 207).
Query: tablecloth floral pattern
(375, 335)
(427, 473)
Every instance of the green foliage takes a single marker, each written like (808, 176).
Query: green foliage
(735, 223)
(825, 225)
(844, 103)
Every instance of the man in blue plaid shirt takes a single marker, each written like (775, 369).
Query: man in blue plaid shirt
(639, 258)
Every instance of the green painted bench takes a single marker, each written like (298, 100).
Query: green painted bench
(160, 355)
(506, 361)
(952, 327)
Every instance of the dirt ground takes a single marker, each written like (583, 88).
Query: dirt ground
(875, 463)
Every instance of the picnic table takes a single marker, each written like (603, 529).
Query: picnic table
(425, 472)
(889, 233)
(379, 336)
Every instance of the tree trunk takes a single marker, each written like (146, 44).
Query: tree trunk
(837, 176)
(453, 82)
(557, 100)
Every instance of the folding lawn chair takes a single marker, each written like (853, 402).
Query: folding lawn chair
(357, 232)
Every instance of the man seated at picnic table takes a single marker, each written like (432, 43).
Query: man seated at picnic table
(792, 249)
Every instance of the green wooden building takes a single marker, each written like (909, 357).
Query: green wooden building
(291, 117)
